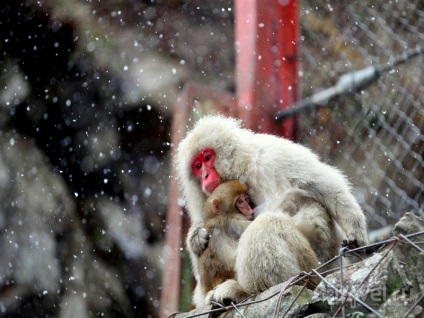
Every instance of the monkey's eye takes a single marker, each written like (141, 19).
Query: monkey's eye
(242, 198)
(197, 165)
(208, 157)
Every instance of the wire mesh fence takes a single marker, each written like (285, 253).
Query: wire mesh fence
(376, 135)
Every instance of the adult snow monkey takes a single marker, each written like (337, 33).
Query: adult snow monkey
(218, 149)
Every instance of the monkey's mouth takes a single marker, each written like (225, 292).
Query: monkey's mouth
(251, 216)
(212, 186)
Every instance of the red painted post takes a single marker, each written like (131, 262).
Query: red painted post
(267, 42)
(171, 280)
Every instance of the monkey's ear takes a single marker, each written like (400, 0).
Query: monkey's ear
(216, 204)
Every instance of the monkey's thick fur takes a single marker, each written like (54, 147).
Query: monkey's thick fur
(225, 224)
(271, 167)
(270, 251)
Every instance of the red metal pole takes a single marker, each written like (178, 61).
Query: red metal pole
(267, 36)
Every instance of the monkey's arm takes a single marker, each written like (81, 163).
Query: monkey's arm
(197, 239)
(198, 236)
(298, 167)
(342, 207)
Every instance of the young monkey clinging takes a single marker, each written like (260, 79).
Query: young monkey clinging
(227, 215)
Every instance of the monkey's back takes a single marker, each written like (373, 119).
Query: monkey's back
(271, 251)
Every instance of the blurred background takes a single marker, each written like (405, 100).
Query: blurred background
(87, 94)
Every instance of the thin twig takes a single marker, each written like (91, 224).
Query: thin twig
(378, 263)
(341, 253)
(286, 285)
(217, 304)
(394, 240)
(238, 311)
(295, 299)
(412, 243)
(209, 312)
(348, 294)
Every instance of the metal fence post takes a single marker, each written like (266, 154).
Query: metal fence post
(267, 48)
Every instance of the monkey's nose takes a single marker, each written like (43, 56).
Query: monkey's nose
(204, 173)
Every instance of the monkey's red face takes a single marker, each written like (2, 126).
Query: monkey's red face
(203, 165)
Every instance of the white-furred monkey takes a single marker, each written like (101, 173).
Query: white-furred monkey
(218, 148)
(226, 217)
(315, 223)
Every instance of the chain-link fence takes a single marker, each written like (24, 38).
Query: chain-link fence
(377, 135)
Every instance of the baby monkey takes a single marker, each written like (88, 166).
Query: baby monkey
(227, 214)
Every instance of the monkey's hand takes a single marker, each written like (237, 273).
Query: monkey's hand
(197, 239)
(225, 293)
(355, 239)
(351, 244)
(289, 207)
